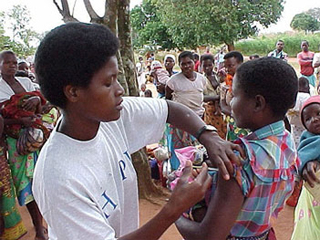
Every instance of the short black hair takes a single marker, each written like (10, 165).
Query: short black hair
(303, 82)
(237, 55)
(207, 57)
(280, 41)
(305, 42)
(185, 54)
(4, 52)
(272, 78)
(70, 55)
(196, 56)
(21, 73)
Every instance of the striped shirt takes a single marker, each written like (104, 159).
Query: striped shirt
(266, 178)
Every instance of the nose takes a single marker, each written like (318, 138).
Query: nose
(119, 89)
(315, 119)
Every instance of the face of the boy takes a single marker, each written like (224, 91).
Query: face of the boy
(231, 65)
(311, 118)
(101, 100)
(241, 106)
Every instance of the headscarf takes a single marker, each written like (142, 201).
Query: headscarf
(170, 56)
(309, 101)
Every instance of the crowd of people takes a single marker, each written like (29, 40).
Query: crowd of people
(257, 121)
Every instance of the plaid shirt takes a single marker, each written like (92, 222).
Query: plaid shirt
(266, 178)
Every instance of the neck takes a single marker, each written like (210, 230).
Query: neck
(8, 78)
(75, 127)
(190, 76)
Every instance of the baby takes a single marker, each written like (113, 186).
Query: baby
(161, 75)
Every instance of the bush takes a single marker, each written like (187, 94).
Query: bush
(262, 45)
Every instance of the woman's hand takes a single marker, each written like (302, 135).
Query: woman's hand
(309, 172)
(221, 153)
(186, 193)
(31, 103)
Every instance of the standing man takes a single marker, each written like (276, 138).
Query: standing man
(305, 59)
(278, 52)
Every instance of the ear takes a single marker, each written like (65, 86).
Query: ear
(71, 93)
(260, 103)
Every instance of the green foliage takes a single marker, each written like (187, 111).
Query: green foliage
(148, 28)
(23, 37)
(264, 44)
(315, 13)
(193, 23)
(305, 22)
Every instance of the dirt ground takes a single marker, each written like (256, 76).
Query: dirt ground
(283, 226)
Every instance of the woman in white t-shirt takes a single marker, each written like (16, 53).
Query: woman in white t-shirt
(91, 192)
(186, 88)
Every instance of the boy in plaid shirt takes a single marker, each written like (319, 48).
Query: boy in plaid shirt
(263, 90)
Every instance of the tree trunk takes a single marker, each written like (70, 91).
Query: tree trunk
(146, 186)
(230, 46)
(126, 49)
(111, 20)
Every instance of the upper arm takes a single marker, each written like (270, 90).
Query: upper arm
(169, 92)
(224, 207)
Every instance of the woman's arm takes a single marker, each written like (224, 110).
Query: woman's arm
(24, 121)
(222, 212)
(220, 151)
(183, 196)
(168, 93)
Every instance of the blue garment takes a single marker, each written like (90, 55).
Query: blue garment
(309, 148)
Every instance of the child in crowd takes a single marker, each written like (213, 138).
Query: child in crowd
(297, 128)
(212, 113)
(148, 93)
(143, 88)
(307, 212)
(294, 113)
(244, 207)
(84, 182)
(232, 60)
(161, 75)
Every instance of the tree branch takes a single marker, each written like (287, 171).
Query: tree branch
(94, 17)
(65, 12)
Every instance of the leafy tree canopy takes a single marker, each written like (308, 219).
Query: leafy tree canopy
(192, 23)
(314, 12)
(147, 27)
(305, 22)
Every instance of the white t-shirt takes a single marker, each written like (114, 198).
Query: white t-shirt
(187, 92)
(88, 189)
(6, 91)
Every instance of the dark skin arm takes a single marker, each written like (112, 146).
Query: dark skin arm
(309, 172)
(222, 212)
(184, 195)
(168, 93)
